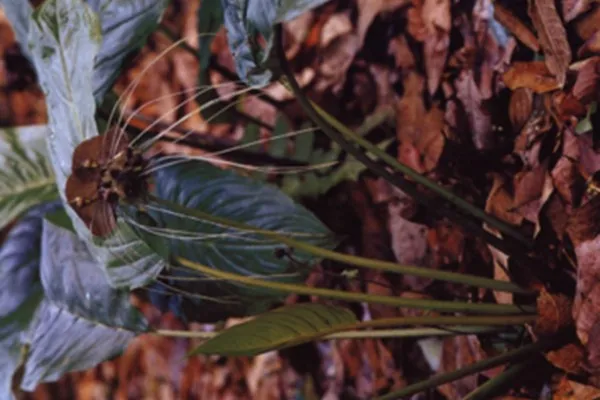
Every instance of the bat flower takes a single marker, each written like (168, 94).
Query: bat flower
(105, 170)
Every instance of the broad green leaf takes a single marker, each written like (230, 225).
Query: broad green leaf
(74, 281)
(82, 320)
(61, 342)
(245, 19)
(283, 327)
(64, 38)
(26, 176)
(210, 19)
(200, 186)
(20, 288)
(64, 42)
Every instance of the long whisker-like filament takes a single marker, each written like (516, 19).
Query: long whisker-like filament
(179, 159)
(182, 235)
(173, 290)
(177, 107)
(128, 92)
(150, 206)
(187, 116)
(262, 141)
(135, 83)
(200, 89)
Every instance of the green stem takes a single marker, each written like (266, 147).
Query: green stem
(437, 380)
(424, 304)
(326, 121)
(505, 320)
(499, 384)
(465, 279)
(356, 334)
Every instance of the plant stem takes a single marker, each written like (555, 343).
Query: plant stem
(356, 334)
(424, 304)
(505, 320)
(437, 380)
(459, 325)
(326, 122)
(465, 279)
(498, 384)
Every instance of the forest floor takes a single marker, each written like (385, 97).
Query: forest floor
(456, 90)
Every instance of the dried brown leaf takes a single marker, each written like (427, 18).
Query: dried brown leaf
(409, 244)
(520, 107)
(437, 20)
(591, 46)
(589, 24)
(401, 52)
(587, 83)
(516, 27)
(590, 158)
(368, 10)
(528, 185)
(480, 118)
(570, 358)
(458, 352)
(583, 228)
(500, 202)
(565, 175)
(572, 390)
(552, 37)
(534, 75)
(571, 9)
(554, 313)
(419, 132)
(416, 27)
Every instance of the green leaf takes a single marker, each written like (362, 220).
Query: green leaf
(245, 19)
(20, 288)
(210, 19)
(223, 193)
(64, 39)
(26, 176)
(283, 327)
(82, 321)
(60, 218)
(64, 42)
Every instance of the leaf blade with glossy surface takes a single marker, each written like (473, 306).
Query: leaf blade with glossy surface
(283, 327)
(222, 193)
(244, 19)
(82, 321)
(64, 40)
(26, 177)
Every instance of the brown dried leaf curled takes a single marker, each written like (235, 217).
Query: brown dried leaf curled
(533, 75)
(552, 37)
